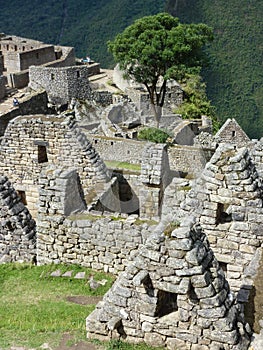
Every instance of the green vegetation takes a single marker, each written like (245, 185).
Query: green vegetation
(195, 102)
(235, 76)
(158, 48)
(120, 345)
(113, 164)
(35, 307)
(170, 228)
(85, 24)
(153, 134)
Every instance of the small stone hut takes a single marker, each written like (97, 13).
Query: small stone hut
(173, 294)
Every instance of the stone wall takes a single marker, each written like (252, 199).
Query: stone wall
(18, 80)
(188, 159)
(2, 86)
(34, 103)
(19, 61)
(256, 150)
(33, 142)
(17, 228)
(227, 200)
(1, 63)
(155, 176)
(232, 133)
(92, 239)
(173, 294)
(118, 149)
(101, 243)
(61, 84)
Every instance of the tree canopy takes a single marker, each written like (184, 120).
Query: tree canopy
(158, 48)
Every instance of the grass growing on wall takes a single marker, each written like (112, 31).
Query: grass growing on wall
(34, 307)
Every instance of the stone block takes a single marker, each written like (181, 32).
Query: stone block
(177, 344)
(212, 313)
(154, 339)
(205, 292)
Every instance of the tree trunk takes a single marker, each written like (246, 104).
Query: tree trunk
(157, 112)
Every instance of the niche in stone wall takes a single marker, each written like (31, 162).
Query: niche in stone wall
(22, 195)
(166, 303)
(222, 213)
(223, 265)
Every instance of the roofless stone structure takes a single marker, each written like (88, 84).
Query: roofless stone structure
(17, 228)
(173, 294)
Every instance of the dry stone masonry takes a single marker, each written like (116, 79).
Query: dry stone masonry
(228, 199)
(17, 228)
(183, 283)
(31, 143)
(173, 294)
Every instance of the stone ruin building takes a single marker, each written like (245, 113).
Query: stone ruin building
(173, 294)
(21, 53)
(17, 228)
(181, 283)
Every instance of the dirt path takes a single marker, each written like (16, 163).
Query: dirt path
(83, 345)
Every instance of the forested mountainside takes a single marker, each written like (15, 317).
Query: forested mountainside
(85, 24)
(234, 78)
(235, 75)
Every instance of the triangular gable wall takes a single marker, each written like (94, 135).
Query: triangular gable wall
(17, 228)
(173, 294)
(231, 132)
(228, 204)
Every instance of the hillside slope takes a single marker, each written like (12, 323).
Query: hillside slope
(85, 24)
(235, 76)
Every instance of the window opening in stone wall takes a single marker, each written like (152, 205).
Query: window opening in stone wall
(42, 154)
(233, 133)
(52, 76)
(78, 73)
(37, 55)
(222, 214)
(22, 195)
(23, 48)
(166, 303)
(15, 48)
(95, 141)
(111, 143)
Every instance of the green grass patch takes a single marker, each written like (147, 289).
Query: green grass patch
(121, 345)
(170, 227)
(122, 165)
(34, 308)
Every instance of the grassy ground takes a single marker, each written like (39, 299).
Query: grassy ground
(34, 307)
(122, 165)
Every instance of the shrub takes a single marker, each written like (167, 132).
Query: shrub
(153, 134)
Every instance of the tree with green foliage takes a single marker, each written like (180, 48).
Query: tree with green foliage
(195, 101)
(155, 49)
